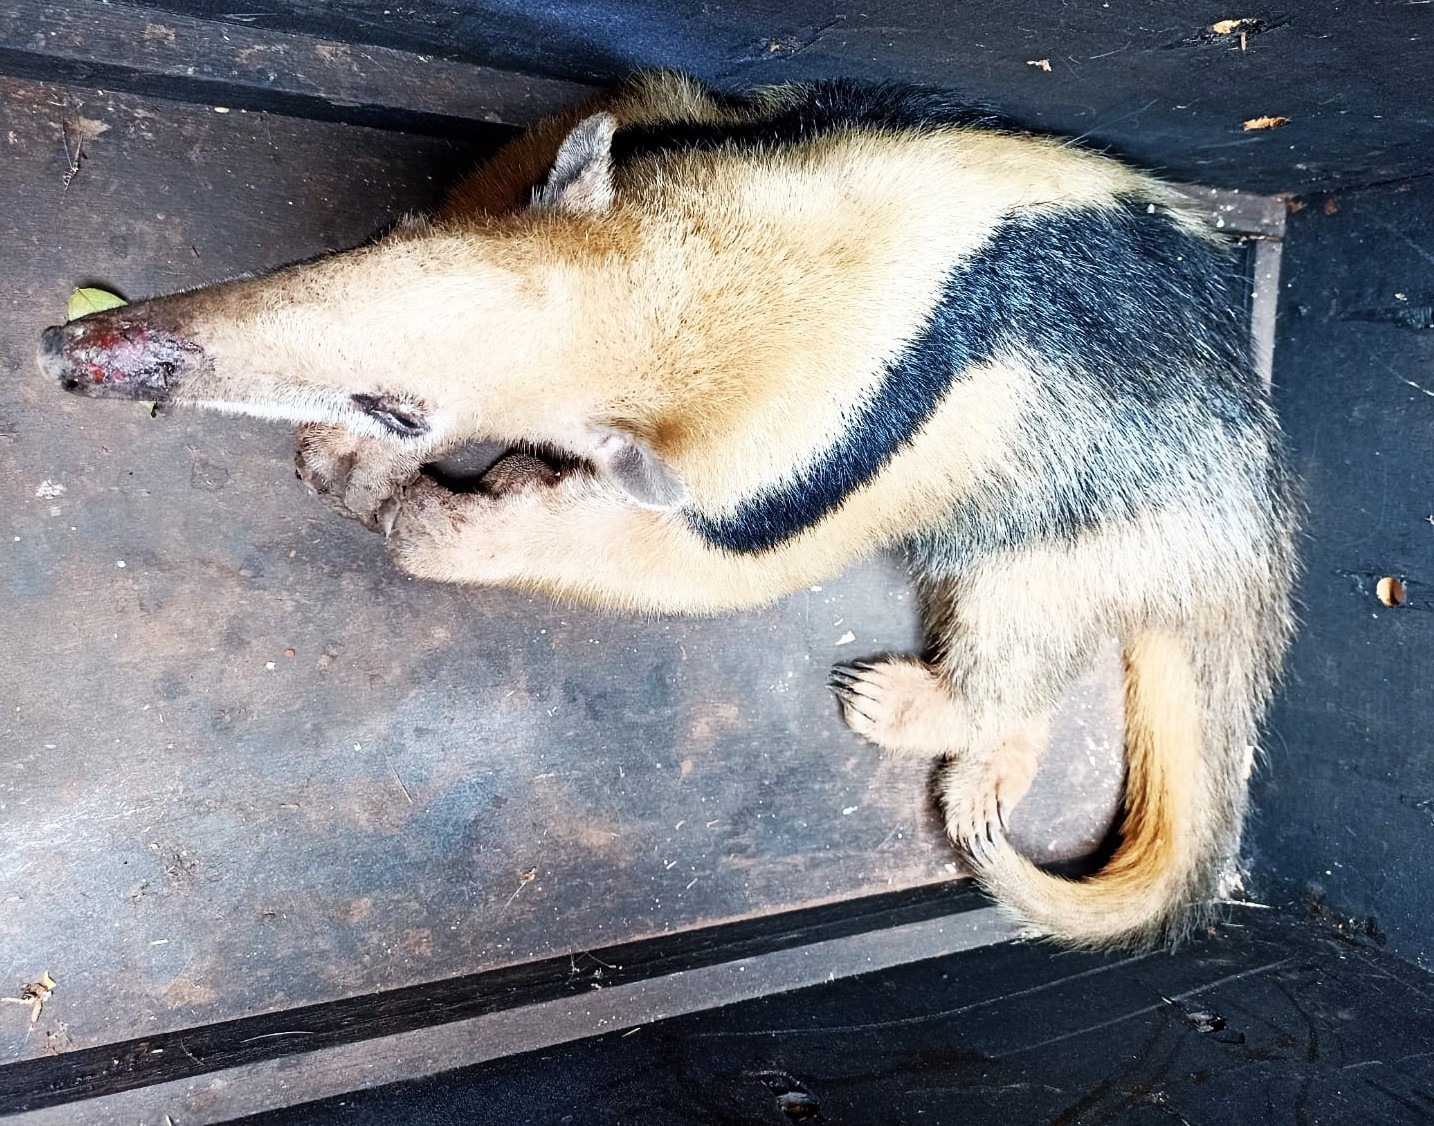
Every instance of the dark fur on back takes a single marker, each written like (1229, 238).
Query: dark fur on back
(1126, 311)
(809, 111)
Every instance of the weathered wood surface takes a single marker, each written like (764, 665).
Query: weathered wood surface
(1153, 80)
(1266, 1021)
(233, 63)
(1345, 808)
(197, 825)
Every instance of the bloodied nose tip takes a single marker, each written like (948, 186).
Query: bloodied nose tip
(108, 357)
(56, 360)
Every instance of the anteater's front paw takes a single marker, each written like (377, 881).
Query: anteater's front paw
(516, 473)
(423, 523)
(354, 475)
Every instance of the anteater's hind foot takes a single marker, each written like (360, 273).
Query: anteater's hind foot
(979, 788)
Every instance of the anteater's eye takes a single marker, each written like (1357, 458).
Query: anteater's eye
(394, 419)
(399, 423)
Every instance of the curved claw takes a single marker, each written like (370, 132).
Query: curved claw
(980, 846)
(387, 516)
(848, 698)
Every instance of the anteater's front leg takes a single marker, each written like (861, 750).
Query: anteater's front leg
(577, 537)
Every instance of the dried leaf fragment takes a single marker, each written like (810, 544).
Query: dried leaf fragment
(1391, 591)
(77, 130)
(89, 300)
(82, 129)
(1268, 122)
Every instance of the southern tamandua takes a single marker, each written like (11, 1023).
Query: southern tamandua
(781, 331)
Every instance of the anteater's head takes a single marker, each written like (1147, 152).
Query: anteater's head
(427, 334)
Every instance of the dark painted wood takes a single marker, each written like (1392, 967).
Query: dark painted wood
(1346, 806)
(1147, 79)
(246, 767)
(1265, 1022)
(235, 64)
(92, 1072)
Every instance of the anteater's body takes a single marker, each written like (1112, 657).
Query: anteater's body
(777, 333)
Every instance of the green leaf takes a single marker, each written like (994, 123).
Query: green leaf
(86, 301)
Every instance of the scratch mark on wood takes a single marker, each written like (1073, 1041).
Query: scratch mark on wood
(869, 1026)
(1162, 1003)
(394, 771)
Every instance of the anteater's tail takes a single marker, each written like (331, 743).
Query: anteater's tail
(1190, 725)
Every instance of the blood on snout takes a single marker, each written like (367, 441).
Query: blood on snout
(127, 352)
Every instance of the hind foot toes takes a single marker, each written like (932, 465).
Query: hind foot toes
(978, 792)
(973, 808)
(902, 706)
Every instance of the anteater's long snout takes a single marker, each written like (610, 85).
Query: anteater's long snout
(118, 355)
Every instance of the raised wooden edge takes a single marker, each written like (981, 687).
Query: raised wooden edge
(227, 64)
(1241, 213)
(252, 1092)
(1259, 219)
(125, 1065)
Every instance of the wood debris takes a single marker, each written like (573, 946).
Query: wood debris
(1391, 591)
(77, 131)
(1243, 28)
(523, 881)
(1268, 122)
(34, 994)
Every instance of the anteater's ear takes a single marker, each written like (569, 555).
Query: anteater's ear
(581, 179)
(629, 464)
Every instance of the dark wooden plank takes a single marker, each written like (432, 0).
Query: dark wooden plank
(199, 826)
(125, 47)
(1148, 79)
(1266, 1022)
(1348, 801)
(82, 1074)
